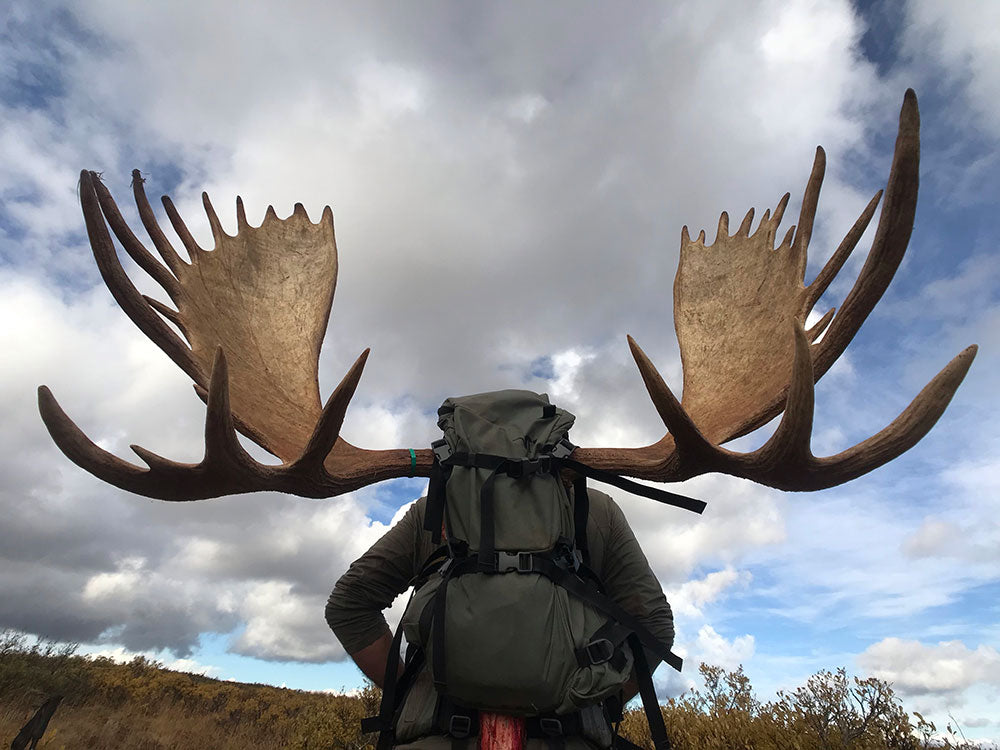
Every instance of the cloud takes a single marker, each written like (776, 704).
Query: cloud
(284, 626)
(947, 668)
(123, 656)
(959, 40)
(711, 648)
(690, 598)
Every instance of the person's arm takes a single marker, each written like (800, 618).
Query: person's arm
(372, 659)
(373, 581)
(630, 581)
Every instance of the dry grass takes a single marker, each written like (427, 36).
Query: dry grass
(98, 727)
(141, 706)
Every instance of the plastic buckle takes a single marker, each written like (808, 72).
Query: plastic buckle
(515, 468)
(519, 562)
(600, 651)
(550, 727)
(441, 450)
(459, 726)
(540, 465)
(563, 449)
(566, 556)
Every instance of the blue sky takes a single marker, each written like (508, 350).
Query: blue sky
(459, 144)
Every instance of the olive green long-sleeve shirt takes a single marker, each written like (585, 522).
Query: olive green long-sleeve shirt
(374, 580)
(354, 610)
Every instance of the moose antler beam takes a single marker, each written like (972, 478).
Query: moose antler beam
(254, 310)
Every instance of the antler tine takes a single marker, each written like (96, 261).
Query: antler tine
(221, 444)
(180, 227)
(227, 468)
(814, 333)
(327, 430)
(832, 267)
(779, 210)
(148, 218)
(891, 238)
(807, 213)
(785, 461)
(80, 449)
(213, 219)
(167, 312)
(723, 229)
(789, 445)
(121, 286)
(132, 245)
(694, 454)
(898, 437)
(691, 445)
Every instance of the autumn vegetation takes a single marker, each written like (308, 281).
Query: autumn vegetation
(142, 706)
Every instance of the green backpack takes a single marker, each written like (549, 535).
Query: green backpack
(506, 614)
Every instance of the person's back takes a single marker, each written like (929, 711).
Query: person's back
(531, 595)
(354, 610)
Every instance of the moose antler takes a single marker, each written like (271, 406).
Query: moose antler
(740, 308)
(254, 311)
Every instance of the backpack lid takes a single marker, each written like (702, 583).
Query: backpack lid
(508, 423)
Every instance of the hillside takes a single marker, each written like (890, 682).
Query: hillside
(142, 706)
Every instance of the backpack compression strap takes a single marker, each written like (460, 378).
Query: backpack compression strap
(549, 464)
(559, 458)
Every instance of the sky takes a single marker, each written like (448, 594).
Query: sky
(509, 183)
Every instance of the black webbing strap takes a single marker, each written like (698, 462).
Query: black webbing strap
(518, 467)
(661, 496)
(602, 603)
(514, 467)
(487, 529)
(458, 722)
(581, 512)
(553, 725)
(620, 743)
(435, 560)
(434, 512)
(414, 663)
(383, 722)
(438, 605)
(657, 729)
(605, 646)
(435, 621)
(554, 729)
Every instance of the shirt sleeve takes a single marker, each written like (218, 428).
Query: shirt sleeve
(374, 580)
(630, 581)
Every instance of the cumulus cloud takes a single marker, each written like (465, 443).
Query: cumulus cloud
(690, 598)
(712, 648)
(283, 626)
(123, 656)
(915, 668)
(962, 44)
